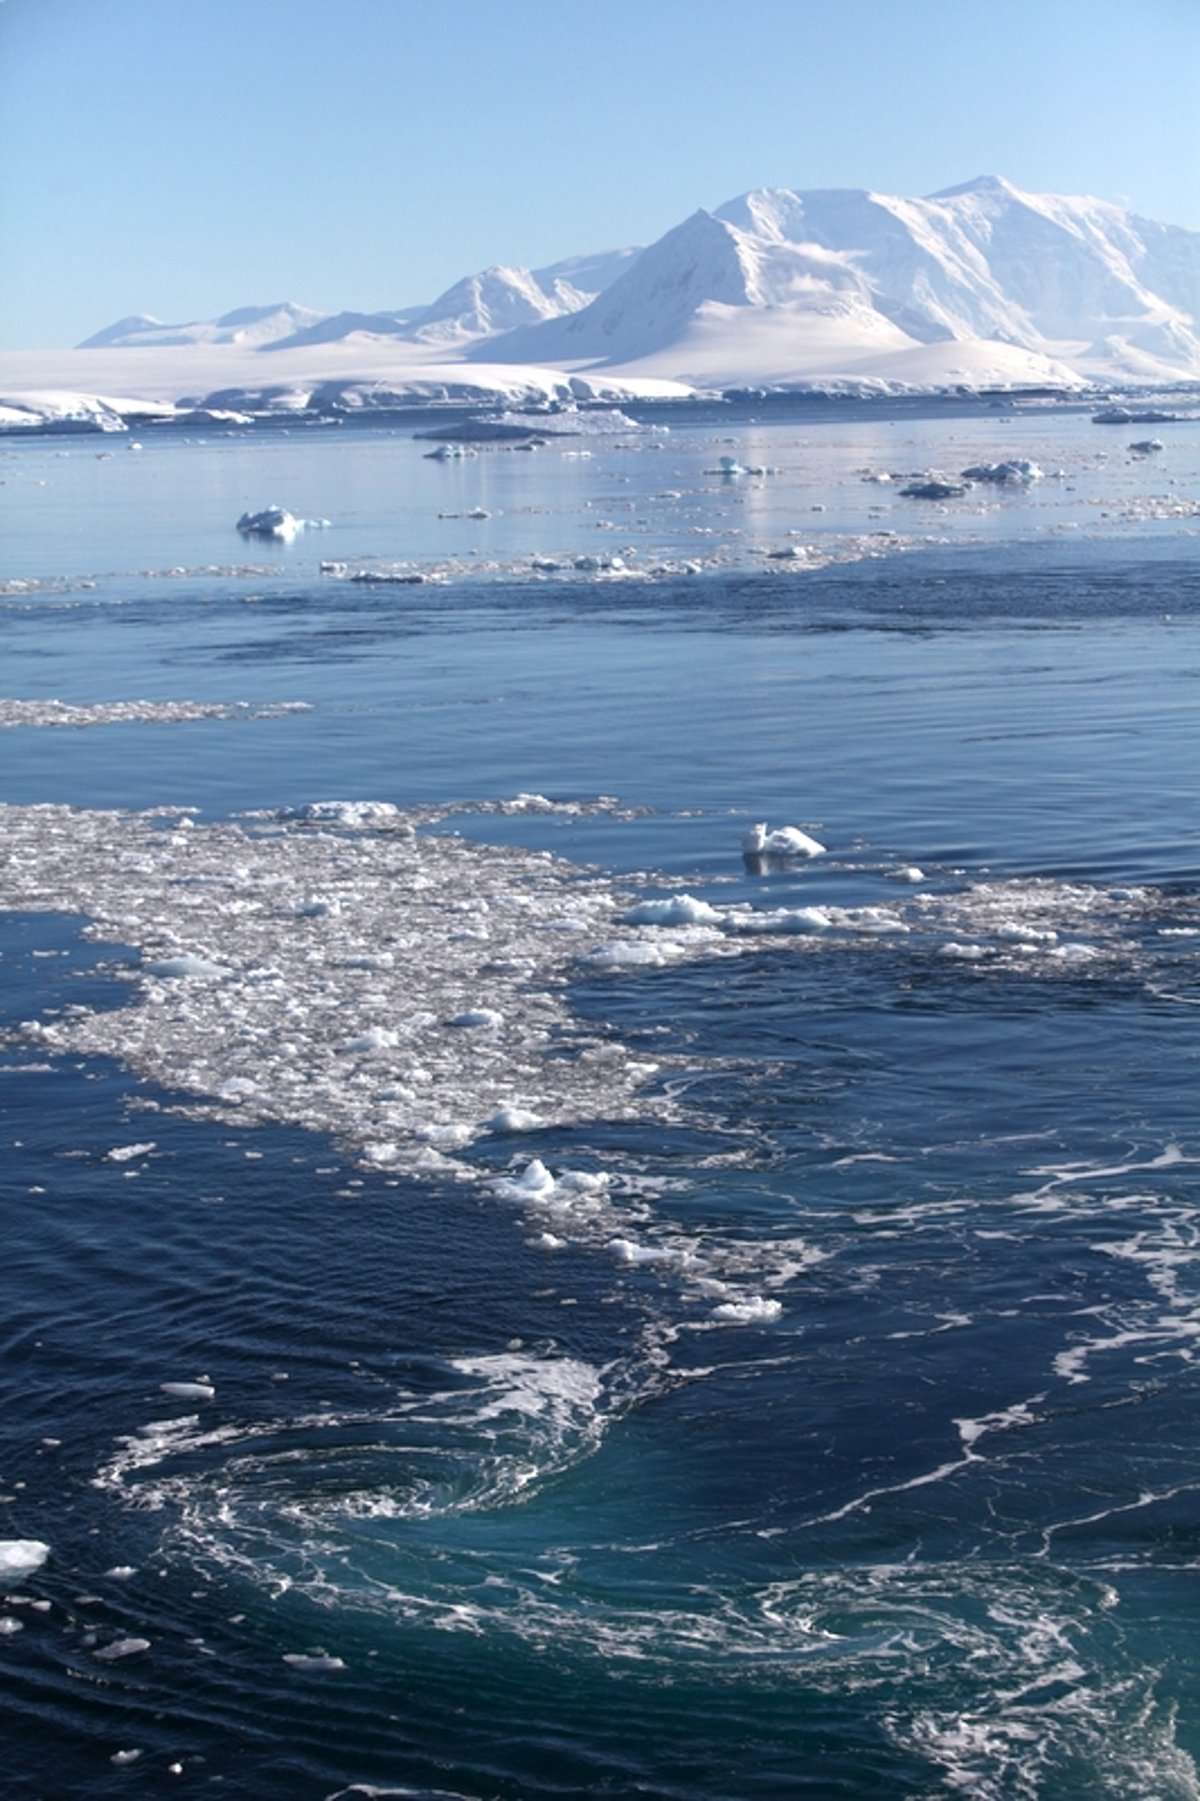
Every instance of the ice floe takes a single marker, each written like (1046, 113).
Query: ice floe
(20, 1557)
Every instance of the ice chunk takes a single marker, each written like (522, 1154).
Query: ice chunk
(188, 1391)
(746, 1312)
(121, 1647)
(273, 522)
(478, 1016)
(188, 965)
(534, 1183)
(350, 815)
(935, 489)
(638, 954)
(627, 1250)
(680, 910)
(20, 1557)
(515, 1119)
(1018, 472)
(317, 1663)
(376, 1038)
(124, 1153)
(784, 841)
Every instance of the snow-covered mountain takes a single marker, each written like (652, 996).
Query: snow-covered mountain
(479, 306)
(779, 284)
(978, 285)
(249, 325)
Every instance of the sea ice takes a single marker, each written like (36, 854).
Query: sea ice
(349, 815)
(20, 1557)
(188, 1391)
(515, 1119)
(680, 910)
(177, 968)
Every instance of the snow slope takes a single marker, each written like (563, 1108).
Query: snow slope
(781, 285)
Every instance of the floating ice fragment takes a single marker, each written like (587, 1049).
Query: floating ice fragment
(271, 522)
(352, 815)
(680, 910)
(535, 1182)
(623, 954)
(189, 965)
(755, 1307)
(478, 1016)
(314, 1664)
(784, 841)
(124, 1153)
(376, 1038)
(188, 1391)
(121, 1647)
(20, 1557)
(793, 919)
(906, 872)
(935, 489)
(9, 1625)
(123, 1757)
(627, 1250)
(1019, 472)
(515, 1119)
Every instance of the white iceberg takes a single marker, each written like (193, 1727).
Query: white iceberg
(784, 841)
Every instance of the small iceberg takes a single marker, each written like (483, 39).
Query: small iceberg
(1019, 472)
(276, 522)
(935, 489)
(784, 841)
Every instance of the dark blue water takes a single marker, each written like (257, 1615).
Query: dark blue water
(825, 1426)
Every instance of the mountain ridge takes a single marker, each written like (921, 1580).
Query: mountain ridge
(783, 285)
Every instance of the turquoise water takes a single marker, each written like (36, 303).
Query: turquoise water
(802, 1402)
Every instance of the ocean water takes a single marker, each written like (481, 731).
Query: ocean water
(504, 1294)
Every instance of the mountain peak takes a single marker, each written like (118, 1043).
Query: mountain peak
(982, 184)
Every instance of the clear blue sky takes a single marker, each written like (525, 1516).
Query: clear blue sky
(184, 157)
